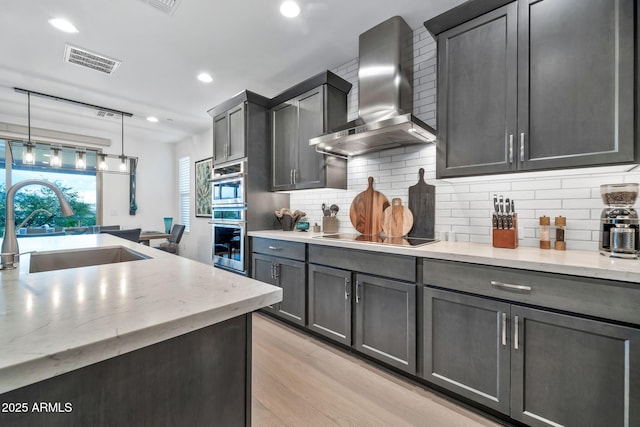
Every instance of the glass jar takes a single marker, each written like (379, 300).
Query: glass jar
(545, 237)
(560, 222)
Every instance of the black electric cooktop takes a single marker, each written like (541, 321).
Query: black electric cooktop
(379, 239)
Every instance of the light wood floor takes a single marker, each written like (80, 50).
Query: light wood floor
(300, 381)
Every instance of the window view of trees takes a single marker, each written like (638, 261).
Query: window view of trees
(30, 199)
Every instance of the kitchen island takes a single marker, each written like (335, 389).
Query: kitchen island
(542, 337)
(162, 340)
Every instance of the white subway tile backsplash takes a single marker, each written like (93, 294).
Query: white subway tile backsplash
(465, 205)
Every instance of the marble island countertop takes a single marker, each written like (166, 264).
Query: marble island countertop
(57, 321)
(577, 263)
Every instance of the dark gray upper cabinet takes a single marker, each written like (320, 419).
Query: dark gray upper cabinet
(233, 125)
(302, 112)
(477, 95)
(535, 84)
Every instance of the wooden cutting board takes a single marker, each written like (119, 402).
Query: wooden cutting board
(398, 219)
(367, 210)
(422, 205)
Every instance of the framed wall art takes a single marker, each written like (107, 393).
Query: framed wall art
(203, 188)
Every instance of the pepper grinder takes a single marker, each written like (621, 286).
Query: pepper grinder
(560, 223)
(545, 242)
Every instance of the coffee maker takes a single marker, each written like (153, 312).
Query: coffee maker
(619, 224)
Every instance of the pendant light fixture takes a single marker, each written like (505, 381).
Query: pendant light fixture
(123, 158)
(61, 156)
(29, 155)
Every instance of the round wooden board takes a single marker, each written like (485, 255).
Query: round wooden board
(367, 210)
(397, 220)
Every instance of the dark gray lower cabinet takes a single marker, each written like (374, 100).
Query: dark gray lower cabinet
(466, 346)
(289, 275)
(538, 367)
(385, 320)
(573, 372)
(330, 303)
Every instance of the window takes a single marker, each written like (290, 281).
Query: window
(184, 178)
(78, 186)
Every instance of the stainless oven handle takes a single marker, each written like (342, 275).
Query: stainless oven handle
(227, 176)
(228, 222)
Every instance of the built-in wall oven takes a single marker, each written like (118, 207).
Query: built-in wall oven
(229, 217)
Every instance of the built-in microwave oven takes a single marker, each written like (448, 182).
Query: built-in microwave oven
(228, 184)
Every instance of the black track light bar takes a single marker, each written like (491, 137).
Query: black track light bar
(71, 101)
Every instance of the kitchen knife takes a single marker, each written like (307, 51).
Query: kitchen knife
(509, 218)
(494, 218)
(501, 218)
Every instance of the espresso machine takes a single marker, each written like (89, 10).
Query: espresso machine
(619, 224)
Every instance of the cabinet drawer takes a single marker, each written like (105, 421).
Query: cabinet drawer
(583, 295)
(396, 266)
(281, 248)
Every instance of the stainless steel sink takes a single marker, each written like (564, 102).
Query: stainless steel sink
(58, 260)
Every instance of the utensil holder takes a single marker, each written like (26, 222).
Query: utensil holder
(506, 238)
(330, 224)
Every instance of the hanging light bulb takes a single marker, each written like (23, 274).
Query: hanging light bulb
(55, 160)
(28, 155)
(81, 163)
(103, 163)
(123, 163)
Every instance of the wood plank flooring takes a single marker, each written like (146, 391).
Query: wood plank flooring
(301, 381)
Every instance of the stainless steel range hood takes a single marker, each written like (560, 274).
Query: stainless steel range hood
(385, 77)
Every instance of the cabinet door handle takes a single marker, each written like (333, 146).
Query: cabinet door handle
(294, 176)
(276, 273)
(504, 329)
(515, 333)
(346, 288)
(291, 177)
(522, 147)
(510, 287)
(273, 272)
(275, 248)
(357, 291)
(511, 148)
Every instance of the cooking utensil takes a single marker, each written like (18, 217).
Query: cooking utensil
(494, 218)
(367, 210)
(334, 209)
(508, 211)
(325, 211)
(501, 219)
(398, 219)
(422, 204)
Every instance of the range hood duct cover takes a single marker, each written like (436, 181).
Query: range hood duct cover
(385, 104)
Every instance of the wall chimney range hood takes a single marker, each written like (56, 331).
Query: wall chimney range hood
(385, 103)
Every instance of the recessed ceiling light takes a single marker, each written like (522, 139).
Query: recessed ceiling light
(63, 25)
(290, 9)
(152, 119)
(205, 77)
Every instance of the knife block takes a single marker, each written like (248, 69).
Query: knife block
(506, 238)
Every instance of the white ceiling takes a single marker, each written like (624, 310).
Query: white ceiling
(244, 44)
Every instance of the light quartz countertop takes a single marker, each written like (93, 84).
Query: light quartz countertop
(58, 321)
(576, 263)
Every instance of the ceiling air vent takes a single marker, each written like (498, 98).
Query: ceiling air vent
(166, 6)
(85, 58)
(108, 114)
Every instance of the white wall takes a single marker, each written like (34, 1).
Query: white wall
(197, 243)
(464, 205)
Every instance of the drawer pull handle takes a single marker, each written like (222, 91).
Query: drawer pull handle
(504, 329)
(275, 248)
(510, 287)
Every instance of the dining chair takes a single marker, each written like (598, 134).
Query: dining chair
(132, 234)
(171, 245)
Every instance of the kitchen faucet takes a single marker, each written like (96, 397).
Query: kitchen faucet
(10, 242)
